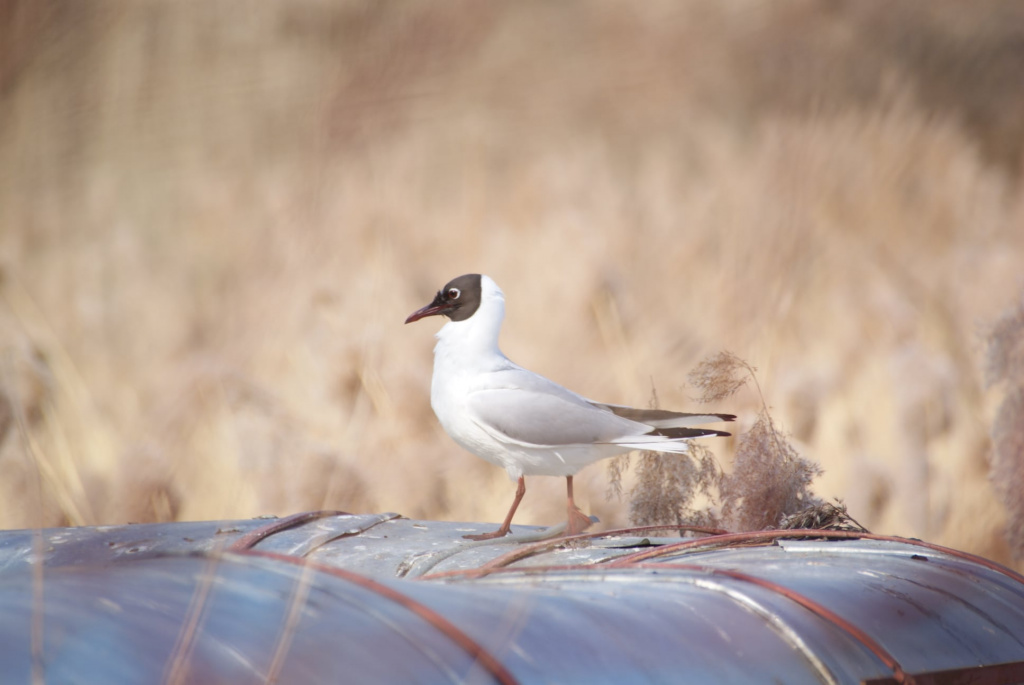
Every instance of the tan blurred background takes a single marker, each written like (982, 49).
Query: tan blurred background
(215, 215)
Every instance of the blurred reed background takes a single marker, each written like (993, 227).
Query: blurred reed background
(215, 215)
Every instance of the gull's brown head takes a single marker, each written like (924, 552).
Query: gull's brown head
(458, 300)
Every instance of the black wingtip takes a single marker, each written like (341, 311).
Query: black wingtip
(689, 433)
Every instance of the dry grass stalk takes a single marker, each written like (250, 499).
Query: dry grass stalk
(1005, 365)
(1004, 355)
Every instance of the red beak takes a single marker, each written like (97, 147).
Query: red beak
(430, 310)
(438, 306)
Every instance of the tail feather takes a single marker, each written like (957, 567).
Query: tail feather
(672, 440)
(659, 445)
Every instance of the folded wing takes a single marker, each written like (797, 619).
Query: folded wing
(527, 409)
(529, 417)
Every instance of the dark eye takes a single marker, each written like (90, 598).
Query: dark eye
(453, 293)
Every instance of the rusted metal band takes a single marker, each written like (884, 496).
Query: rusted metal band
(993, 674)
(495, 668)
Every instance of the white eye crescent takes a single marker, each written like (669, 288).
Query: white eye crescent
(453, 293)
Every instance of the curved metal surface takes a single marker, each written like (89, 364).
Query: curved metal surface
(104, 544)
(818, 609)
(444, 626)
(321, 597)
(123, 624)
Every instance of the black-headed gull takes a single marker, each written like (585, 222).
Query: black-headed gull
(518, 419)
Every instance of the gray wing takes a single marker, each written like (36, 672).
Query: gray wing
(662, 418)
(530, 409)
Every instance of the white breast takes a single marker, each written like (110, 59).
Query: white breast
(465, 354)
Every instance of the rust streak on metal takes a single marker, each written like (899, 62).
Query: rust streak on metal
(474, 573)
(899, 676)
(730, 540)
(495, 668)
(538, 547)
(966, 556)
(256, 535)
(766, 536)
(643, 530)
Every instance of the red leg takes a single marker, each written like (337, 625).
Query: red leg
(503, 531)
(578, 521)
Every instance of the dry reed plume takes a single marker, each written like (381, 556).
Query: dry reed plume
(769, 481)
(668, 486)
(212, 227)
